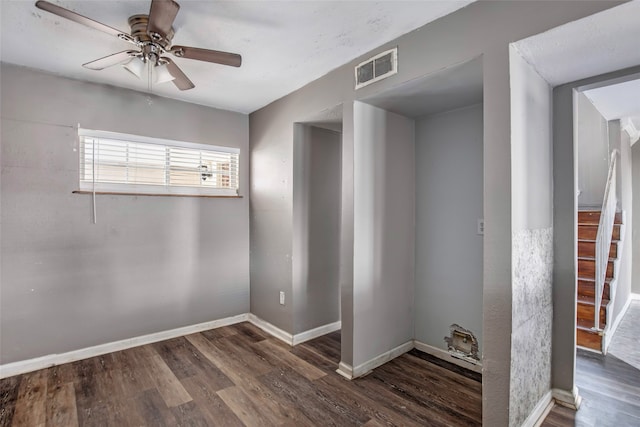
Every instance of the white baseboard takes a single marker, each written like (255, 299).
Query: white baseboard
(635, 296)
(350, 372)
(297, 338)
(540, 411)
(271, 329)
(316, 332)
(569, 399)
(30, 365)
(448, 357)
(609, 335)
(345, 370)
(366, 367)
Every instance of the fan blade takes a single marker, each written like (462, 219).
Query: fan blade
(72, 16)
(181, 81)
(110, 60)
(161, 17)
(215, 56)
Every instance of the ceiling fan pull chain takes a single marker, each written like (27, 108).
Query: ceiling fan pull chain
(149, 99)
(149, 67)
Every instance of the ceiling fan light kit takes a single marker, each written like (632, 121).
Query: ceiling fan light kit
(135, 66)
(162, 74)
(152, 35)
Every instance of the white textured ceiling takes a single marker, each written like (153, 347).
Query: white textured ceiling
(618, 101)
(284, 44)
(445, 90)
(598, 44)
(331, 119)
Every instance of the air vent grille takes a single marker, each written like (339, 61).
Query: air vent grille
(381, 66)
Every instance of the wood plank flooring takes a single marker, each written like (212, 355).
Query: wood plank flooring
(240, 376)
(609, 385)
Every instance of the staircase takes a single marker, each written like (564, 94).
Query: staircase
(586, 336)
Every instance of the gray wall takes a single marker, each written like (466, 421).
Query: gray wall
(531, 175)
(593, 153)
(532, 240)
(448, 204)
(634, 232)
(149, 264)
(482, 28)
(384, 240)
(316, 222)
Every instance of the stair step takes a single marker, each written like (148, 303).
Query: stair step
(591, 301)
(590, 232)
(586, 289)
(587, 268)
(588, 325)
(585, 310)
(587, 248)
(586, 337)
(588, 221)
(593, 217)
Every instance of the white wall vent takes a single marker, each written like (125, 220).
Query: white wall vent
(379, 67)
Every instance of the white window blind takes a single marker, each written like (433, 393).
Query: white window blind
(138, 165)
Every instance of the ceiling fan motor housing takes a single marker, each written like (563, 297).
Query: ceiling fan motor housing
(139, 23)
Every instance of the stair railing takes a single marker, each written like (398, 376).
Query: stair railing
(604, 236)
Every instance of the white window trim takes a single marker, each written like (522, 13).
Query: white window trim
(133, 189)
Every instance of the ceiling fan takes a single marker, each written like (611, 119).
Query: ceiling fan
(152, 35)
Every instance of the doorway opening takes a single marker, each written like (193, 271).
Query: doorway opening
(604, 115)
(317, 201)
(608, 189)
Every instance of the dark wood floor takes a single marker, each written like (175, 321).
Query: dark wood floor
(609, 385)
(239, 375)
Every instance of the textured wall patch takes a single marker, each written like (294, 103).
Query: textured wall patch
(532, 318)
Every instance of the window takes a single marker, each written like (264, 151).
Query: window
(112, 162)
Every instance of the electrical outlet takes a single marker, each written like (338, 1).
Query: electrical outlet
(281, 298)
(480, 227)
